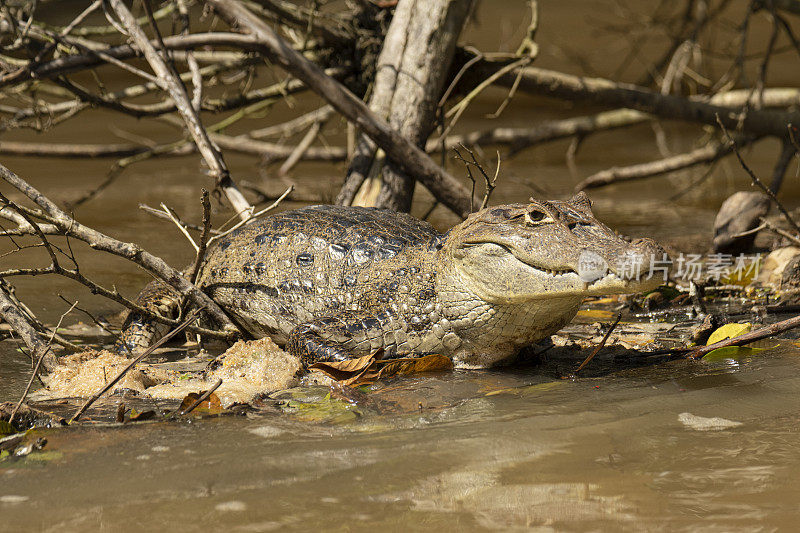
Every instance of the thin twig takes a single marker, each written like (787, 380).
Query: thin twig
(783, 233)
(301, 148)
(254, 216)
(160, 214)
(766, 190)
(91, 317)
(599, 346)
(490, 182)
(201, 251)
(173, 216)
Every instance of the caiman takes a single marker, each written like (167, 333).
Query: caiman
(333, 283)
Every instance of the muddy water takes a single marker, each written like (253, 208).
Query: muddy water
(514, 448)
(487, 450)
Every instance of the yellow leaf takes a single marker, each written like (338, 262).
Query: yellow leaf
(596, 315)
(729, 331)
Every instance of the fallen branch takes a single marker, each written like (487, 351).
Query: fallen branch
(16, 318)
(177, 91)
(707, 154)
(756, 122)
(201, 251)
(98, 241)
(545, 131)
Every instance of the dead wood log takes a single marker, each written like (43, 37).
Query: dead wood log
(409, 79)
(19, 321)
(756, 122)
(409, 158)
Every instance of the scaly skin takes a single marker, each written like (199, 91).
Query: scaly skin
(333, 283)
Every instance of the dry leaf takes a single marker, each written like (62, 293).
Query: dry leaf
(140, 417)
(367, 369)
(342, 370)
(428, 363)
(209, 406)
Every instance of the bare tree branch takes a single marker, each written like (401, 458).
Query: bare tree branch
(408, 157)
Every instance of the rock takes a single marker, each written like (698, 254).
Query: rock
(775, 263)
(701, 423)
(739, 213)
(790, 277)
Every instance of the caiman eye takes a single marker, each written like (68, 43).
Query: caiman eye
(535, 217)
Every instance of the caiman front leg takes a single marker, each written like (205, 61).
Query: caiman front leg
(345, 336)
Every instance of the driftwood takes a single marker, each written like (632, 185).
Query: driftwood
(755, 122)
(409, 79)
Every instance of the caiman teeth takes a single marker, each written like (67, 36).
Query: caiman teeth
(554, 272)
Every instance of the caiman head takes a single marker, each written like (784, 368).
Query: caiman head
(521, 252)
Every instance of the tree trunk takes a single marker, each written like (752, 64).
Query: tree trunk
(409, 79)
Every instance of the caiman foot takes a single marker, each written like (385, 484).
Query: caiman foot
(337, 338)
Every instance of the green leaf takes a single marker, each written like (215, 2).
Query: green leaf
(329, 410)
(50, 455)
(729, 331)
(735, 353)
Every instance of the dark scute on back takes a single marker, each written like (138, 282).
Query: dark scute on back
(343, 225)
